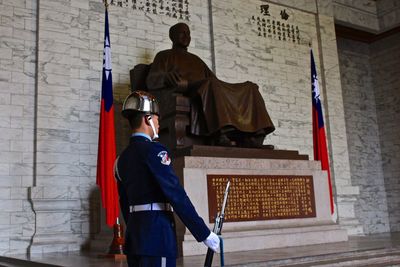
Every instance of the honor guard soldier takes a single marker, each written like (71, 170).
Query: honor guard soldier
(150, 191)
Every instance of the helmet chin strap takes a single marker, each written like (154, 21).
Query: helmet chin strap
(155, 135)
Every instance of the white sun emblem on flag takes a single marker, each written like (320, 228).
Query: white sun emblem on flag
(107, 58)
(315, 88)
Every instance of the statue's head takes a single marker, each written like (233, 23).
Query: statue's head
(180, 35)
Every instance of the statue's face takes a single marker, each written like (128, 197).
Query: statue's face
(182, 36)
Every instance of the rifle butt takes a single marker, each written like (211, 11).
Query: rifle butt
(209, 258)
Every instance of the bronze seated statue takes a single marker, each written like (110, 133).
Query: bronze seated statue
(197, 107)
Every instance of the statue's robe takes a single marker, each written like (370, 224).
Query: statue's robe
(214, 104)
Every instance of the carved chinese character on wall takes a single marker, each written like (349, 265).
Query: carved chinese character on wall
(284, 15)
(178, 9)
(264, 10)
(273, 22)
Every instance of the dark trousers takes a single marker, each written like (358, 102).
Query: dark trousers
(148, 261)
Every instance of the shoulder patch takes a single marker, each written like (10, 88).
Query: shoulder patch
(164, 157)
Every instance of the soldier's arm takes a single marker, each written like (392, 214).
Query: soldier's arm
(159, 164)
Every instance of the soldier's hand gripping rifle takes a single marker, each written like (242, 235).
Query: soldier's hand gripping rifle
(219, 220)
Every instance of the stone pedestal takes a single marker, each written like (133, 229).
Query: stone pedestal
(53, 207)
(252, 235)
(101, 241)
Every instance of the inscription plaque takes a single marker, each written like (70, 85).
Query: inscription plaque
(262, 197)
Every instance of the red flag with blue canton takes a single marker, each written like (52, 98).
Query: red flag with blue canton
(106, 152)
(319, 136)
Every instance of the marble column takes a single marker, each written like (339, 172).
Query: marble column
(54, 195)
(52, 207)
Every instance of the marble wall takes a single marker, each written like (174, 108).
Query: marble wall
(385, 60)
(17, 122)
(368, 15)
(359, 14)
(371, 90)
(363, 135)
(388, 12)
(367, 73)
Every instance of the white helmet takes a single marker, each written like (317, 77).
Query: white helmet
(140, 101)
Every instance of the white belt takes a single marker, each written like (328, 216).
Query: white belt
(150, 206)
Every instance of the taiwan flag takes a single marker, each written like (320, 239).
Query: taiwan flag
(106, 151)
(319, 137)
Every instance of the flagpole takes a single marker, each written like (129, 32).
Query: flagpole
(105, 2)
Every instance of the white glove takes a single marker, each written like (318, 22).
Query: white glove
(212, 241)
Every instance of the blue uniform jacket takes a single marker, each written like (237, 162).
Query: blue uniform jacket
(147, 177)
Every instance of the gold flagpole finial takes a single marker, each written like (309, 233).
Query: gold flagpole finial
(105, 3)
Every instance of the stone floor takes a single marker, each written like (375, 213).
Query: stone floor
(386, 247)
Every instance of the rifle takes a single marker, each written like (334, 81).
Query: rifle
(219, 220)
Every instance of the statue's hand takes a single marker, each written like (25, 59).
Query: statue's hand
(182, 85)
(173, 79)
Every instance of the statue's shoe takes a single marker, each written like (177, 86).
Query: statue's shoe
(252, 142)
(223, 140)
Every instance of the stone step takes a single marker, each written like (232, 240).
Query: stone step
(268, 238)
(12, 262)
(369, 258)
